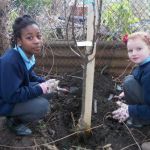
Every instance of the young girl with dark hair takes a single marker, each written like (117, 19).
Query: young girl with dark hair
(21, 90)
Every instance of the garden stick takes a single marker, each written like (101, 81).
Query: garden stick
(89, 66)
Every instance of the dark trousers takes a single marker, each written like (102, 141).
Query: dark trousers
(133, 91)
(33, 109)
(134, 95)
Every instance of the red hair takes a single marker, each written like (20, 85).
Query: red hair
(144, 36)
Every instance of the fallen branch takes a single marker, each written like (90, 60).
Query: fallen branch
(57, 140)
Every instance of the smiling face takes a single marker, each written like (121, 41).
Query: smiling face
(31, 40)
(138, 50)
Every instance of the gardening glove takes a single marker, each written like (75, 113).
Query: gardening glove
(49, 86)
(121, 114)
(52, 85)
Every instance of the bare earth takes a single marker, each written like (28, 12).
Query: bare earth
(57, 130)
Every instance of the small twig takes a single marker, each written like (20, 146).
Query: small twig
(75, 77)
(73, 120)
(36, 145)
(128, 146)
(123, 72)
(147, 140)
(95, 105)
(49, 147)
(79, 71)
(132, 136)
(104, 68)
(107, 115)
(80, 148)
(51, 116)
(140, 133)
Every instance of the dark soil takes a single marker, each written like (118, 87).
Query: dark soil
(57, 130)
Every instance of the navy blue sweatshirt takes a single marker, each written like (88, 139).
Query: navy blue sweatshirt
(14, 82)
(142, 75)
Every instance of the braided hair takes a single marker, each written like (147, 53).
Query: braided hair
(19, 24)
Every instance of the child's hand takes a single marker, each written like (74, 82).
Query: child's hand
(121, 114)
(49, 86)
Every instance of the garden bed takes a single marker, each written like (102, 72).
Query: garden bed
(58, 129)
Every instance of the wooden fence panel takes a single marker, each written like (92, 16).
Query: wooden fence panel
(110, 57)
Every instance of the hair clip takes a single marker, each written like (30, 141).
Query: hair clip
(125, 38)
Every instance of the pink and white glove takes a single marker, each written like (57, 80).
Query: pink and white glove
(49, 86)
(121, 114)
(52, 85)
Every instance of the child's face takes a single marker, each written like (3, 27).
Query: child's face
(31, 40)
(138, 50)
